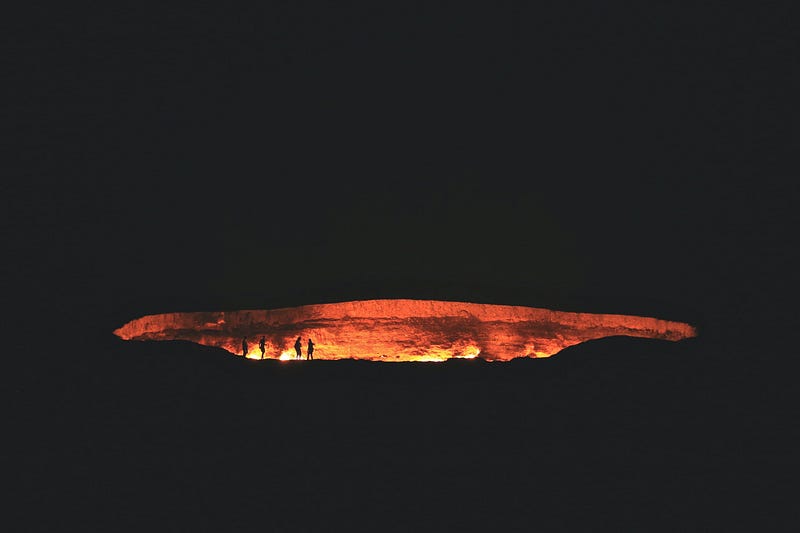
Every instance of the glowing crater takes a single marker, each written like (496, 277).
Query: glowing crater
(399, 330)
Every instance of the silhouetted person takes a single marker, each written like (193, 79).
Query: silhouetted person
(297, 345)
(310, 351)
(244, 347)
(261, 346)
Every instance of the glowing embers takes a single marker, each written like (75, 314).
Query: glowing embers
(399, 330)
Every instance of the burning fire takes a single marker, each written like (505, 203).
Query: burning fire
(286, 355)
(399, 330)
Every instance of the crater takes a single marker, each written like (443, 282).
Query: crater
(398, 330)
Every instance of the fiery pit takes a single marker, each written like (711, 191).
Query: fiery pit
(399, 330)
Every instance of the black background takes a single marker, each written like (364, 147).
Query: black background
(607, 157)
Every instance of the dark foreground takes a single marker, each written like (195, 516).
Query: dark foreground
(616, 435)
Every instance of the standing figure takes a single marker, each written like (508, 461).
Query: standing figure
(261, 345)
(297, 345)
(310, 351)
(244, 347)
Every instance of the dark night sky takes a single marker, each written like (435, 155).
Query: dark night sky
(254, 157)
(218, 158)
(591, 156)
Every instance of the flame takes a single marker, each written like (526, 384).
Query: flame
(399, 330)
(287, 355)
(471, 352)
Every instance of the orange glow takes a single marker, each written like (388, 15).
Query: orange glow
(470, 352)
(400, 330)
(286, 355)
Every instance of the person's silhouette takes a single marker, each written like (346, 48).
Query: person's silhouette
(261, 346)
(244, 347)
(310, 351)
(297, 345)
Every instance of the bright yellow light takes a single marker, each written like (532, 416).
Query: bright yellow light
(470, 352)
